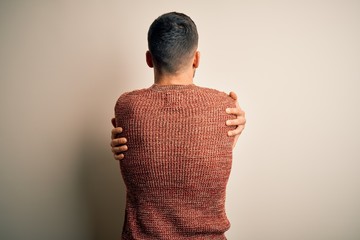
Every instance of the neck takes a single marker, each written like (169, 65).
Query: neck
(182, 78)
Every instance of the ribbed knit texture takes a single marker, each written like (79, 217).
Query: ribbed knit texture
(178, 162)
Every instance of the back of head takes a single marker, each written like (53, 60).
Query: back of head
(172, 41)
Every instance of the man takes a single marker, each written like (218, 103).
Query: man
(179, 157)
(118, 144)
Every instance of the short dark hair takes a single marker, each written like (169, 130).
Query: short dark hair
(172, 37)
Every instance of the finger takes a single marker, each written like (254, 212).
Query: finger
(119, 157)
(233, 95)
(236, 131)
(235, 111)
(118, 150)
(118, 141)
(237, 121)
(115, 131)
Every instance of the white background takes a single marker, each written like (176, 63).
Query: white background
(295, 66)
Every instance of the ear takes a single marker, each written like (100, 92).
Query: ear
(196, 59)
(149, 60)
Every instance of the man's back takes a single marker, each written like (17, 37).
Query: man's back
(178, 162)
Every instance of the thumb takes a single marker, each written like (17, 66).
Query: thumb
(233, 95)
(113, 122)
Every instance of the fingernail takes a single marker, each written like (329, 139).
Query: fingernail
(228, 122)
(228, 110)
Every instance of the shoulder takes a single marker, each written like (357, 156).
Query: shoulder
(131, 94)
(212, 91)
(216, 96)
(129, 100)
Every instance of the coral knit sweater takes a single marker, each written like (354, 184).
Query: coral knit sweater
(178, 162)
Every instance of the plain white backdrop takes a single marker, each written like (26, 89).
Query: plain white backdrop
(295, 66)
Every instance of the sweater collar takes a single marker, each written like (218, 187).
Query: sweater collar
(158, 87)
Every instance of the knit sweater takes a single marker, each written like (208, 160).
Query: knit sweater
(178, 162)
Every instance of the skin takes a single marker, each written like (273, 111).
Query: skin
(183, 76)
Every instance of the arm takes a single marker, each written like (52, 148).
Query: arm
(118, 146)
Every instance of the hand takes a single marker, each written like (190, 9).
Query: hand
(239, 121)
(117, 144)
